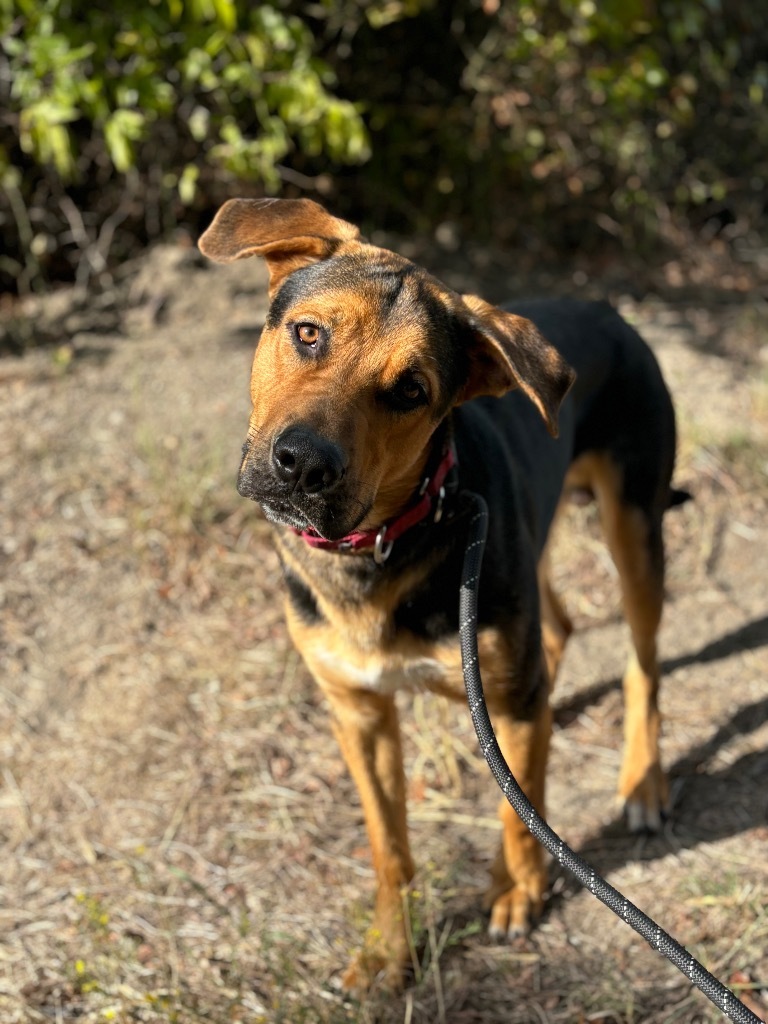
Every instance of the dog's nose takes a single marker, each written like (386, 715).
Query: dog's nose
(307, 462)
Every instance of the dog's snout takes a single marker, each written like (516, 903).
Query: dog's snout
(308, 463)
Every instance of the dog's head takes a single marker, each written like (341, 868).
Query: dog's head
(362, 355)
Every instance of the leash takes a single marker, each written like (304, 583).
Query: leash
(654, 935)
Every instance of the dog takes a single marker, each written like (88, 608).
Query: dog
(378, 396)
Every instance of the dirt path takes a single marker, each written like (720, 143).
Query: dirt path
(179, 840)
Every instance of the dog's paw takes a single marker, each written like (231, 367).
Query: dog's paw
(514, 913)
(644, 816)
(646, 800)
(371, 969)
(381, 963)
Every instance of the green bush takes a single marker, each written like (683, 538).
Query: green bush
(566, 120)
(557, 123)
(155, 98)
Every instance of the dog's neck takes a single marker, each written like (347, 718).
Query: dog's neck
(396, 496)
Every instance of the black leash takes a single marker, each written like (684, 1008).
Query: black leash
(722, 997)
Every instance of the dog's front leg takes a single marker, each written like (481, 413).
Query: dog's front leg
(367, 728)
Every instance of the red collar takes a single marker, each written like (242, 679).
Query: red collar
(382, 539)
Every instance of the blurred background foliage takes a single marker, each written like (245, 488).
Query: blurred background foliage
(550, 124)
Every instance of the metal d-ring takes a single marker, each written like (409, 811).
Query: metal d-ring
(439, 510)
(382, 551)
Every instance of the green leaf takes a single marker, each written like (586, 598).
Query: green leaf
(121, 129)
(188, 183)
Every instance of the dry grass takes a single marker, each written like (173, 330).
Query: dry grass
(180, 840)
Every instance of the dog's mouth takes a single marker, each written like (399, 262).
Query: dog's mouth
(283, 513)
(302, 480)
(332, 517)
(324, 521)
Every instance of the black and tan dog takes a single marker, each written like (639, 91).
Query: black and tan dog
(377, 395)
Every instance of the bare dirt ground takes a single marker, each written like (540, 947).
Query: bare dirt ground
(179, 839)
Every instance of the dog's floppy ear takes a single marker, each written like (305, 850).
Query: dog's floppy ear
(288, 233)
(507, 352)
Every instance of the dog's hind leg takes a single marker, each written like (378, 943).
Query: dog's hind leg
(556, 625)
(634, 537)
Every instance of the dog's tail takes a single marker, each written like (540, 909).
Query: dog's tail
(678, 497)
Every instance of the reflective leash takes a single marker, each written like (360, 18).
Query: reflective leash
(653, 933)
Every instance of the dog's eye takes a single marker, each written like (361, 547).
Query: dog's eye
(307, 334)
(408, 393)
(411, 390)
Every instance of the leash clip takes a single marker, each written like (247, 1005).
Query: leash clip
(382, 551)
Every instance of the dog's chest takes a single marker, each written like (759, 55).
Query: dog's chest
(409, 663)
(364, 648)
(395, 635)
(383, 673)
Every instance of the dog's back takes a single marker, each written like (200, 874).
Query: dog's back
(619, 409)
